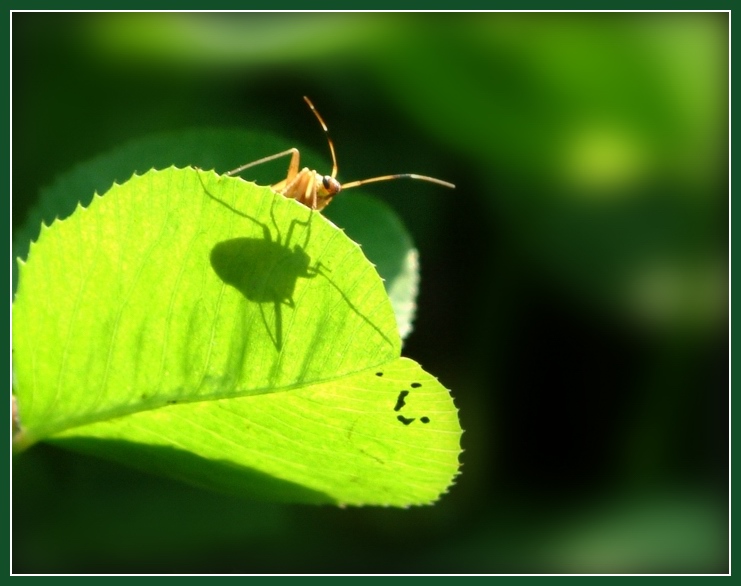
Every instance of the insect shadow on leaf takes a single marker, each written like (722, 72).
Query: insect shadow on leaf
(265, 270)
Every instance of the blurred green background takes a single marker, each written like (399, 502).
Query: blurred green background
(573, 286)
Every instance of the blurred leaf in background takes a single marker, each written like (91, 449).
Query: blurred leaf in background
(573, 287)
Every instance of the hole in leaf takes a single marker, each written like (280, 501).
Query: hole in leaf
(400, 401)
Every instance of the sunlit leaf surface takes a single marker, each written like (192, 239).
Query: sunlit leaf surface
(203, 327)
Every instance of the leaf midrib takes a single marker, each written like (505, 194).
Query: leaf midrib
(29, 437)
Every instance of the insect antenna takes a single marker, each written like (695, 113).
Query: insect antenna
(398, 176)
(326, 132)
(373, 179)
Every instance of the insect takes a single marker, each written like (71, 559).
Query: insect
(313, 189)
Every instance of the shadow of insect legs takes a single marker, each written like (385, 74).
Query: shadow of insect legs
(294, 263)
(320, 269)
(265, 270)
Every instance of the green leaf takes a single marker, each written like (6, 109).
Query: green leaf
(368, 221)
(206, 328)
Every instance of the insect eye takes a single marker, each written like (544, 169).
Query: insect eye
(331, 185)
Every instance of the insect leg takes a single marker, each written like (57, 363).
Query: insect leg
(310, 193)
(292, 166)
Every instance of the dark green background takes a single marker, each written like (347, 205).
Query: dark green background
(573, 293)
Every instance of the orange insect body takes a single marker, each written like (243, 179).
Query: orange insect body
(313, 189)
